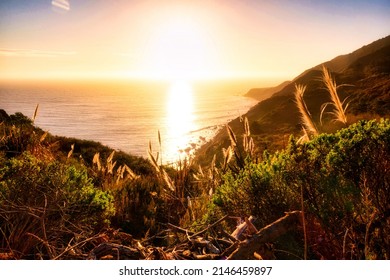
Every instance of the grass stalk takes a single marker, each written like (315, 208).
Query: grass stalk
(306, 118)
(304, 225)
(340, 108)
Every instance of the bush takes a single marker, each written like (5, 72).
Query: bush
(46, 204)
(345, 183)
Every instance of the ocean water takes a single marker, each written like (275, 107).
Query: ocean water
(127, 115)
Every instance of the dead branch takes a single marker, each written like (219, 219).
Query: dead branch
(207, 257)
(251, 229)
(122, 252)
(236, 234)
(70, 248)
(228, 236)
(270, 233)
(179, 229)
(209, 227)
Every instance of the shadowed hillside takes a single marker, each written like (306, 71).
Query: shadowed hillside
(264, 93)
(365, 78)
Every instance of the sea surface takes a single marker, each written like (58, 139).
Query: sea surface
(128, 115)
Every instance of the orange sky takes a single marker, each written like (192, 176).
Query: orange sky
(181, 39)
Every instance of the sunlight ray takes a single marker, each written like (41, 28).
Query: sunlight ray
(180, 116)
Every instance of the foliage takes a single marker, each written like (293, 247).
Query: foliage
(55, 190)
(346, 189)
(47, 202)
(19, 134)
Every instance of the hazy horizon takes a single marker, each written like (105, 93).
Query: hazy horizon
(181, 40)
(126, 116)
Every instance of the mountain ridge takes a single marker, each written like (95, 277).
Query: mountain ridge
(341, 63)
(264, 93)
(272, 121)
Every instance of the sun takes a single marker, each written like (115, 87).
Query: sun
(179, 49)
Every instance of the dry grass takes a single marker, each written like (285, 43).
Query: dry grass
(232, 136)
(307, 121)
(35, 113)
(247, 139)
(340, 108)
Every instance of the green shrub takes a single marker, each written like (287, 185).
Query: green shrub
(345, 182)
(48, 202)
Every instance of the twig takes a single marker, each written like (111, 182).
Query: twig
(78, 244)
(179, 229)
(228, 236)
(49, 248)
(345, 242)
(269, 233)
(209, 227)
(304, 225)
(366, 236)
(105, 249)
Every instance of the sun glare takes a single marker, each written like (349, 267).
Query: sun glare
(180, 116)
(178, 49)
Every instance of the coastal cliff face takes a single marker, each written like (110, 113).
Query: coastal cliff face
(261, 94)
(363, 76)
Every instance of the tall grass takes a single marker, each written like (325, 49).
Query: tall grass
(309, 127)
(339, 107)
(35, 113)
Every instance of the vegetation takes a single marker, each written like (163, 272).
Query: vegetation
(345, 181)
(61, 198)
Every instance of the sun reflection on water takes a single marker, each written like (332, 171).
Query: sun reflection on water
(180, 118)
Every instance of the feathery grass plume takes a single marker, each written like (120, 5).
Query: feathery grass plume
(150, 146)
(119, 174)
(153, 161)
(110, 157)
(227, 156)
(110, 167)
(339, 107)
(35, 113)
(130, 172)
(212, 165)
(305, 137)
(168, 181)
(246, 126)
(120, 171)
(159, 143)
(71, 151)
(43, 137)
(248, 143)
(251, 146)
(245, 143)
(212, 170)
(232, 136)
(305, 114)
(96, 160)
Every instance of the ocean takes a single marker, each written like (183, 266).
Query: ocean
(128, 115)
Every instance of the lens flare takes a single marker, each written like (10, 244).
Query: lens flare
(60, 5)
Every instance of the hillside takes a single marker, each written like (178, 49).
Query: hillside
(264, 93)
(366, 73)
(58, 204)
(342, 62)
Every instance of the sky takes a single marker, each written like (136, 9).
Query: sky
(180, 39)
